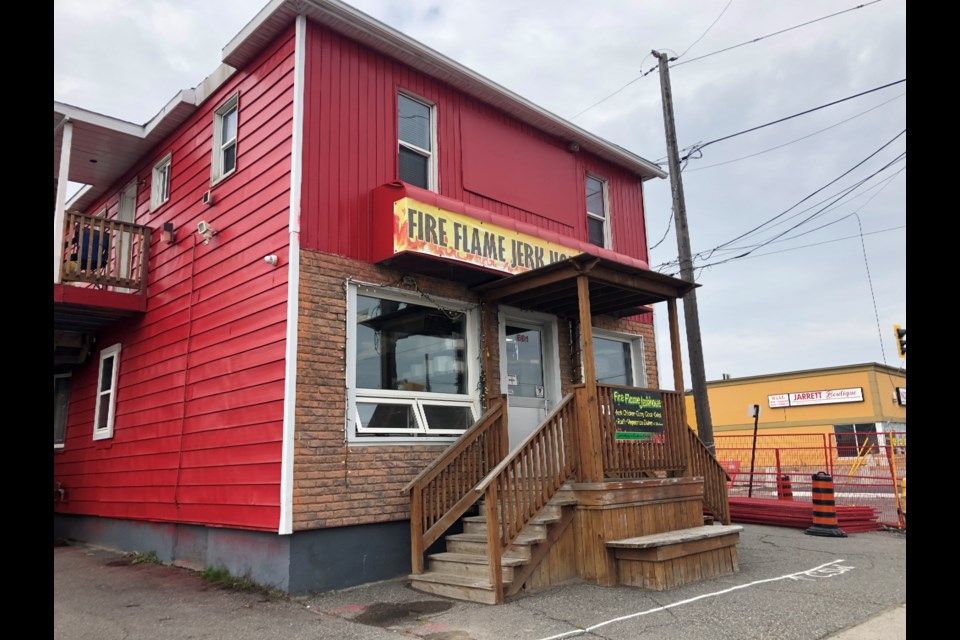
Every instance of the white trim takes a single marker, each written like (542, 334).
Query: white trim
(417, 399)
(433, 176)
(107, 432)
(216, 164)
(637, 352)
(288, 451)
(59, 211)
(160, 181)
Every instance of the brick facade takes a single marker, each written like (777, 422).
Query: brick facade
(336, 484)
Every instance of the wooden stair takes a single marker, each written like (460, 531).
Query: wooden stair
(462, 572)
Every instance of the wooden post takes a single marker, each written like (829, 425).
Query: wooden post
(416, 530)
(678, 382)
(504, 429)
(591, 459)
(493, 540)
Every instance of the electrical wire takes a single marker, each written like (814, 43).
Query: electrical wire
(769, 35)
(705, 32)
(776, 33)
(780, 146)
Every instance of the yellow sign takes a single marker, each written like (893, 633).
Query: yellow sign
(427, 229)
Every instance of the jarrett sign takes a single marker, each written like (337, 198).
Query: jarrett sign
(804, 398)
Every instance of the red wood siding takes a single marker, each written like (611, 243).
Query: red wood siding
(199, 399)
(350, 134)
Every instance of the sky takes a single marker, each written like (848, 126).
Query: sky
(798, 229)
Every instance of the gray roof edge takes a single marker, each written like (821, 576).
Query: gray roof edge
(396, 40)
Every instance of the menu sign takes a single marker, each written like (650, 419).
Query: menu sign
(638, 414)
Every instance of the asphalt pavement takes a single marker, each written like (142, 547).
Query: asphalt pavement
(791, 586)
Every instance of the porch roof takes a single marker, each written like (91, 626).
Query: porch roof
(615, 288)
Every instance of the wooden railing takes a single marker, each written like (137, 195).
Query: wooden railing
(104, 253)
(705, 464)
(523, 483)
(444, 490)
(638, 458)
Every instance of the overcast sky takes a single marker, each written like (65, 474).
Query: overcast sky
(820, 295)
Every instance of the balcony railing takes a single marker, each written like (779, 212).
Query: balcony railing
(104, 253)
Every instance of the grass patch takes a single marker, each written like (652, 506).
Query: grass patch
(221, 577)
(143, 558)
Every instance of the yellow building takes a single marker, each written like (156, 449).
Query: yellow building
(852, 406)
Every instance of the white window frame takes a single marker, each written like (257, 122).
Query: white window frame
(160, 182)
(605, 218)
(431, 155)
(60, 376)
(219, 145)
(416, 399)
(107, 431)
(637, 353)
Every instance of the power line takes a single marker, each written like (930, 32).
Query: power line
(796, 115)
(804, 221)
(776, 33)
(804, 199)
(780, 146)
(769, 35)
(813, 244)
(705, 32)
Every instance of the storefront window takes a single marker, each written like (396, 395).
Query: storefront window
(855, 439)
(410, 368)
(616, 358)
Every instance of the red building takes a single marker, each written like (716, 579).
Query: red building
(272, 301)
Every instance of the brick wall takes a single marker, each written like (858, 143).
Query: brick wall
(335, 484)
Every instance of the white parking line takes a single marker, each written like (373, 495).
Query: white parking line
(827, 570)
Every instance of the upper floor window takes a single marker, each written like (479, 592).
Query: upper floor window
(106, 393)
(416, 142)
(618, 359)
(160, 183)
(224, 140)
(598, 223)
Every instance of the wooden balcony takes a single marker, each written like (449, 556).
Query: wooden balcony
(103, 267)
(104, 254)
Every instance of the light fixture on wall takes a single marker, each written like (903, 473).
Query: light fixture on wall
(573, 146)
(206, 231)
(169, 233)
(271, 260)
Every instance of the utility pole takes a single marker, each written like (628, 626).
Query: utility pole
(690, 314)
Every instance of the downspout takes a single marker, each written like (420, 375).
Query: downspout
(293, 285)
(59, 210)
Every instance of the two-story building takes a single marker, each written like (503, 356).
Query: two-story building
(308, 277)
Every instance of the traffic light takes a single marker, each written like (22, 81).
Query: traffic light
(901, 340)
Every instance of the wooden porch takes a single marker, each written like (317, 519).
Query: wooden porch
(553, 508)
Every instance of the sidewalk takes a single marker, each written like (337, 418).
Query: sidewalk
(790, 587)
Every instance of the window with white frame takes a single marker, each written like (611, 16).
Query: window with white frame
(416, 142)
(225, 140)
(106, 393)
(618, 359)
(61, 403)
(598, 223)
(160, 183)
(411, 366)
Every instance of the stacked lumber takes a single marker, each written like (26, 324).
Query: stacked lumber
(782, 513)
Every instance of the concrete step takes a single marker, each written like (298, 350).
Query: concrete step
(471, 564)
(454, 586)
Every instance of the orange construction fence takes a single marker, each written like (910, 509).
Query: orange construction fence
(867, 471)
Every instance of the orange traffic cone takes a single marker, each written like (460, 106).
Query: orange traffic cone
(824, 508)
(784, 489)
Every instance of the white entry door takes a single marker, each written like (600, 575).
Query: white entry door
(529, 370)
